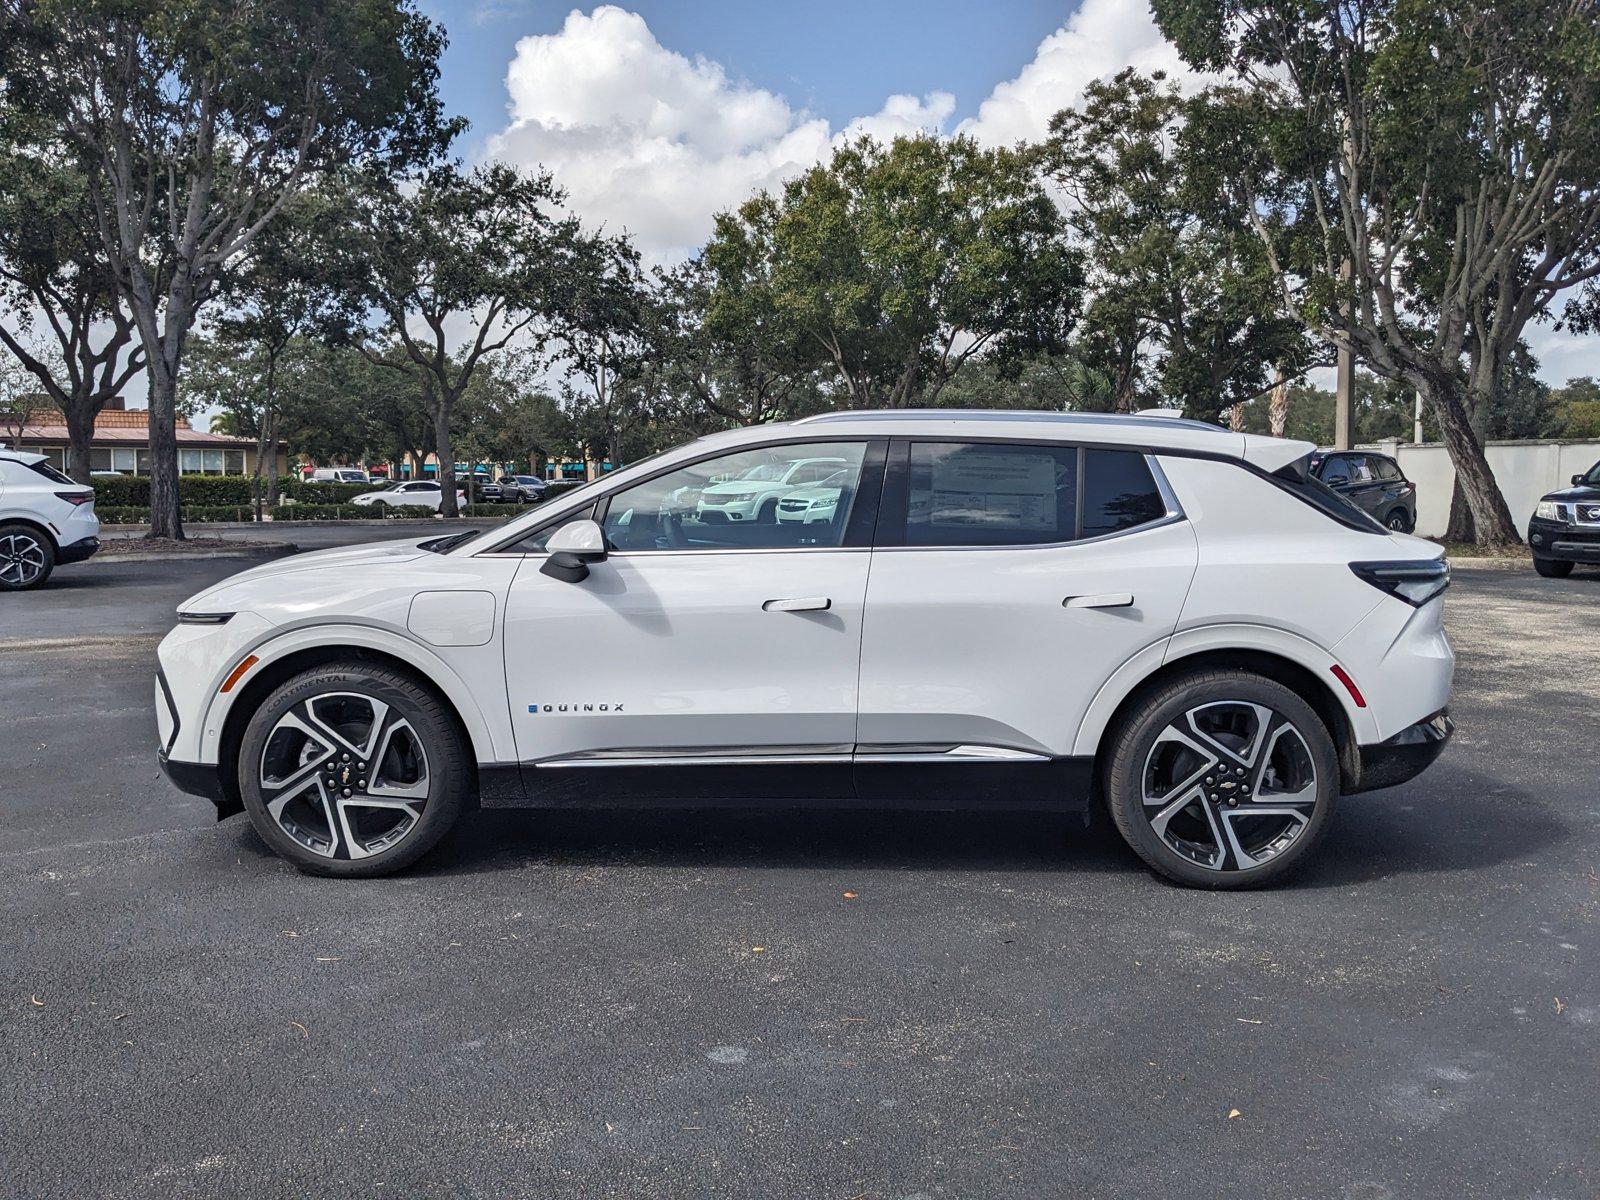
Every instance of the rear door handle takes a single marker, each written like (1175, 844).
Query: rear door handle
(801, 604)
(1108, 600)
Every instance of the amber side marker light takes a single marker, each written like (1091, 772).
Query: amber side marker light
(238, 673)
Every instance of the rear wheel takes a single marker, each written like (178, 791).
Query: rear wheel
(1399, 521)
(1550, 568)
(1222, 779)
(26, 558)
(352, 770)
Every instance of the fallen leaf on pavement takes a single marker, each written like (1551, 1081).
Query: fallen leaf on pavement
(1234, 1112)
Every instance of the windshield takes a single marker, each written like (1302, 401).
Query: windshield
(1593, 477)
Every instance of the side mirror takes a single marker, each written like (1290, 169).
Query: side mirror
(1337, 480)
(572, 548)
(1577, 481)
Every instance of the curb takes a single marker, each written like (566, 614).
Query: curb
(259, 550)
(391, 523)
(1491, 564)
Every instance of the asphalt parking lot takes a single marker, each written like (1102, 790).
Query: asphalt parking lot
(766, 1004)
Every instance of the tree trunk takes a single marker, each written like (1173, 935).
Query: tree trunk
(1236, 418)
(1460, 527)
(80, 415)
(166, 520)
(1491, 518)
(272, 462)
(444, 449)
(1278, 405)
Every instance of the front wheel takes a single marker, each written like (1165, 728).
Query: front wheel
(26, 558)
(1222, 779)
(352, 770)
(1550, 568)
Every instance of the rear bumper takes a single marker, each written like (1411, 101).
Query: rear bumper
(1404, 756)
(78, 551)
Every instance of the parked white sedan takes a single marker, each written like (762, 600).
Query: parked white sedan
(425, 492)
(819, 502)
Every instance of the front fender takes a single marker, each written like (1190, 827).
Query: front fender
(490, 732)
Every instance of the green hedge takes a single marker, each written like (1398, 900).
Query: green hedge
(139, 514)
(123, 490)
(351, 512)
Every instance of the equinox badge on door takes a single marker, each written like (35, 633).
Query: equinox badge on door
(573, 708)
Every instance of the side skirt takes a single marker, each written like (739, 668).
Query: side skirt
(909, 780)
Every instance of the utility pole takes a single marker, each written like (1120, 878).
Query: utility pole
(1416, 424)
(1344, 390)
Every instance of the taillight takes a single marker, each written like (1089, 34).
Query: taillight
(76, 497)
(1416, 581)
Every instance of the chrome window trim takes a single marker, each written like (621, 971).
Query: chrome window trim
(602, 497)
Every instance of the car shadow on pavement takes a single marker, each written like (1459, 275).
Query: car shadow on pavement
(781, 838)
(1459, 821)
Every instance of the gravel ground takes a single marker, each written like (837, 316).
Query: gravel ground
(772, 1004)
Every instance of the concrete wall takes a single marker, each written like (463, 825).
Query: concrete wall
(1525, 471)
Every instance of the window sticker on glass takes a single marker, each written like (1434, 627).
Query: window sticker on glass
(978, 487)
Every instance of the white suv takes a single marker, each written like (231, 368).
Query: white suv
(421, 492)
(1021, 610)
(45, 519)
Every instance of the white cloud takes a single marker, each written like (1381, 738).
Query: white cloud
(1100, 39)
(648, 140)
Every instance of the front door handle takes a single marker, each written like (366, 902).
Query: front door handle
(802, 604)
(1108, 600)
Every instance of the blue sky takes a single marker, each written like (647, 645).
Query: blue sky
(834, 58)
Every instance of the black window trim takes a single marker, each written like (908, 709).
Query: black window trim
(897, 495)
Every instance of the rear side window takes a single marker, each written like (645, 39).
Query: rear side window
(1387, 469)
(1297, 478)
(978, 494)
(1118, 492)
(1002, 494)
(50, 473)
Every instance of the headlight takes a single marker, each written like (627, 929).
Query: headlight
(1548, 510)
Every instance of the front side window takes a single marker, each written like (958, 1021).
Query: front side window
(775, 497)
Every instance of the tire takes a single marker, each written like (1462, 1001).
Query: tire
(27, 557)
(1399, 521)
(1216, 839)
(767, 514)
(303, 748)
(1550, 568)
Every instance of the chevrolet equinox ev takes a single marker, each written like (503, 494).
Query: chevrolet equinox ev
(1003, 610)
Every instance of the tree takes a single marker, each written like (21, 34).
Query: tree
(1578, 408)
(1185, 305)
(614, 329)
(892, 267)
(280, 290)
(487, 253)
(1425, 177)
(54, 272)
(728, 344)
(194, 121)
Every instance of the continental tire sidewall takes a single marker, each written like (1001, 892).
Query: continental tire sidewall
(449, 770)
(1136, 735)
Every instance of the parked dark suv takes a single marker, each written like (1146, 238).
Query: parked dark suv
(1565, 528)
(1371, 481)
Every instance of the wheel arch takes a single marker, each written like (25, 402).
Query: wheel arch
(290, 654)
(38, 526)
(1296, 668)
